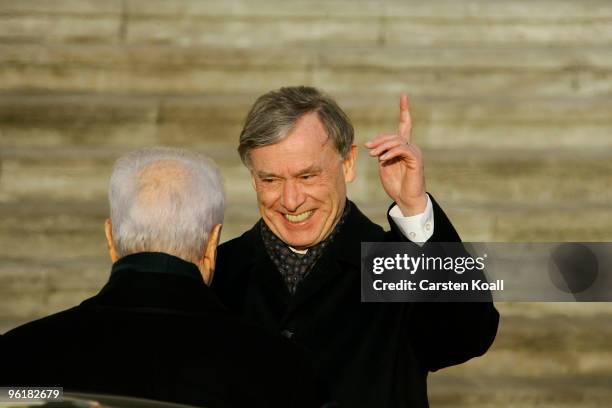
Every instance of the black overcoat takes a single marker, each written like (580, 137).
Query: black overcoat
(157, 331)
(371, 354)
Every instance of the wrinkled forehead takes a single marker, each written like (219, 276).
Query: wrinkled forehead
(295, 154)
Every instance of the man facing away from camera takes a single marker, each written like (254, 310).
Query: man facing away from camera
(156, 330)
(297, 271)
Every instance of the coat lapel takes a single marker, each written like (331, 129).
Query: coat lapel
(264, 274)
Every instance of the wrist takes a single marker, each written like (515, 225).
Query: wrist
(415, 206)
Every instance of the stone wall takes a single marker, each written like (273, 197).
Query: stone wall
(511, 102)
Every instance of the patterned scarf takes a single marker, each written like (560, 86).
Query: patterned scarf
(293, 266)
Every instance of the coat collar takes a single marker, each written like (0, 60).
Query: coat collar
(358, 228)
(156, 262)
(156, 281)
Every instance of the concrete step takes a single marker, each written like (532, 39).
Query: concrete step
(290, 23)
(125, 121)
(36, 21)
(148, 69)
(498, 179)
(503, 178)
(120, 121)
(443, 72)
(372, 22)
(548, 345)
(540, 223)
(555, 391)
(82, 174)
(31, 289)
(482, 71)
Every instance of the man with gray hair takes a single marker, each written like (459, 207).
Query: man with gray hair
(156, 330)
(297, 271)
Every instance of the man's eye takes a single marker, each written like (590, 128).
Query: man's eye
(306, 176)
(267, 180)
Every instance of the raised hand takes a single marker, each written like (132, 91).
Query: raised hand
(400, 164)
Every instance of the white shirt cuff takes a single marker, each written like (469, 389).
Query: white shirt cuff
(417, 228)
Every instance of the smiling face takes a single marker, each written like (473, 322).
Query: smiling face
(301, 183)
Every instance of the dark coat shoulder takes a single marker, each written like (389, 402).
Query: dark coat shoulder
(160, 336)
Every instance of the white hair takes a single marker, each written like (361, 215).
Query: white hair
(164, 199)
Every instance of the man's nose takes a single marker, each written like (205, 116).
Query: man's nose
(292, 196)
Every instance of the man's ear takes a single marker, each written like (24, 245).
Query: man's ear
(209, 257)
(349, 164)
(108, 231)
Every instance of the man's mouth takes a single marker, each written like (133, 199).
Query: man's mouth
(299, 217)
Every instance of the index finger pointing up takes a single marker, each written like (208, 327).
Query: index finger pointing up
(405, 120)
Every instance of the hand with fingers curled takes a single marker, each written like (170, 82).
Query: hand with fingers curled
(400, 164)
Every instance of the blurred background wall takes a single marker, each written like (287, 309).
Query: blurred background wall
(512, 103)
